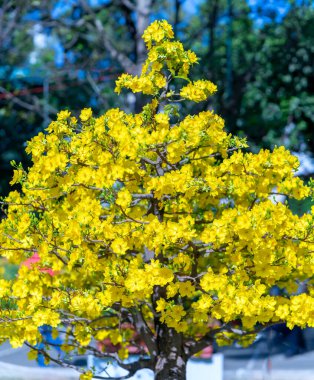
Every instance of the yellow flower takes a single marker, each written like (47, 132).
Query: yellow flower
(17, 176)
(162, 118)
(198, 91)
(86, 375)
(63, 115)
(86, 114)
(157, 32)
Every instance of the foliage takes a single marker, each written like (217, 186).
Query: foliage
(153, 223)
(283, 91)
(265, 83)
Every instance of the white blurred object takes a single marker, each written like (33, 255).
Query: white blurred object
(199, 369)
(206, 369)
(306, 163)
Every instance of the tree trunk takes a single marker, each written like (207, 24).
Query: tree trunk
(143, 11)
(169, 369)
(171, 353)
(171, 360)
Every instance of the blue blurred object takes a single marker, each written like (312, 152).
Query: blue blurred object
(292, 341)
(46, 333)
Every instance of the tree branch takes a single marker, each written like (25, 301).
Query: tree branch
(145, 332)
(123, 59)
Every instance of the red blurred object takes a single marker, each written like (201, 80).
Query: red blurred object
(29, 263)
(139, 346)
(207, 353)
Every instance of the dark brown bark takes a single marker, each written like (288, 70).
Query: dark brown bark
(212, 24)
(177, 8)
(171, 360)
(172, 356)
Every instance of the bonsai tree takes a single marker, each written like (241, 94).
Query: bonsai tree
(152, 225)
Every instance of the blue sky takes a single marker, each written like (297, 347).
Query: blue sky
(279, 6)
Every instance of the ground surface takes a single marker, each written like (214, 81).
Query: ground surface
(262, 361)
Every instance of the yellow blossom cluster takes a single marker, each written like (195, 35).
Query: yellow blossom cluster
(156, 32)
(164, 54)
(167, 224)
(198, 91)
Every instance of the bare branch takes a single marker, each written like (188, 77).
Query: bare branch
(128, 4)
(132, 219)
(96, 88)
(145, 332)
(142, 196)
(123, 59)
(35, 107)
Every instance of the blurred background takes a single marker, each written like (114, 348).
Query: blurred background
(67, 54)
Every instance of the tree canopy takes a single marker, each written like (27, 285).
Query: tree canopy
(157, 224)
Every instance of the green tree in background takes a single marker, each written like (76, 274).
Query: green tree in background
(268, 80)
